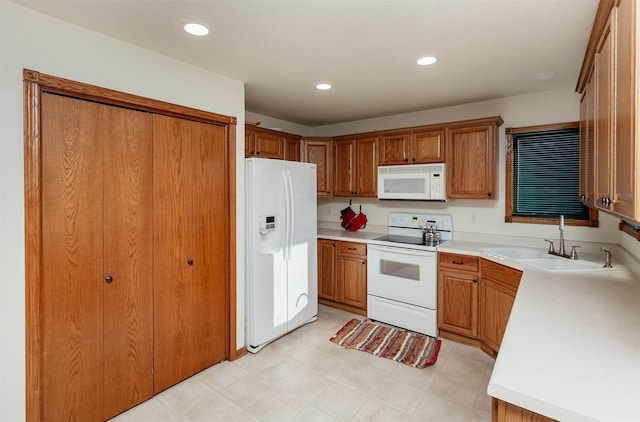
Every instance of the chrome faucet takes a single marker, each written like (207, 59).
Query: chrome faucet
(607, 257)
(561, 249)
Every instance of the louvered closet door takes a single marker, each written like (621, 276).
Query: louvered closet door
(95, 336)
(191, 226)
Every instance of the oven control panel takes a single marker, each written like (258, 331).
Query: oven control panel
(417, 221)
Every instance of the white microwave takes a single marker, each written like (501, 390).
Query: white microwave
(418, 182)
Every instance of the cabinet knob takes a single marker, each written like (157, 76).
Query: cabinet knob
(406, 160)
(489, 194)
(190, 261)
(364, 262)
(108, 279)
(413, 159)
(475, 280)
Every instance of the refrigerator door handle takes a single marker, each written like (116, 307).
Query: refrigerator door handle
(290, 213)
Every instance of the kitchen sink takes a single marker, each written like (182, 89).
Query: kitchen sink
(518, 253)
(539, 258)
(563, 264)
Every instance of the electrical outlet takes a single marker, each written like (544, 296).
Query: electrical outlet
(474, 218)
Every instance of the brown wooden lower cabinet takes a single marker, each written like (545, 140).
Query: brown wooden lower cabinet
(502, 411)
(342, 275)
(498, 288)
(475, 297)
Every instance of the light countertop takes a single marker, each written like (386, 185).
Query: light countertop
(571, 350)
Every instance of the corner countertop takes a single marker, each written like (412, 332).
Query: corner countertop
(571, 350)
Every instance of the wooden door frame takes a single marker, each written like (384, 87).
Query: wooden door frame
(35, 84)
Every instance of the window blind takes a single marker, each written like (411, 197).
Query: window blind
(546, 174)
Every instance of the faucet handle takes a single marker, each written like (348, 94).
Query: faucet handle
(552, 250)
(574, 254)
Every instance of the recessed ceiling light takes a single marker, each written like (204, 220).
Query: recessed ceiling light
(195, 28)
(423, 61)
(543, 76)
(323, 86)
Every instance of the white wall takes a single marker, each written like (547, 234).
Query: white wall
(277, 124)
(35, 41)
(548, 107)
(556, 106)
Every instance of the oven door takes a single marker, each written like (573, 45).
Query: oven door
(404, 275)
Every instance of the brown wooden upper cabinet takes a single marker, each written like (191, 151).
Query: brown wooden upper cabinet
(471, 159)
(355, 167)
(608, 123)
(412, 148)
(267, 143)
(291, 148)
(320, 152)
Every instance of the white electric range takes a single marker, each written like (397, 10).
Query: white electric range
(402, 279)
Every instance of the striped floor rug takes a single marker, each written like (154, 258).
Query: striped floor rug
(403, 346)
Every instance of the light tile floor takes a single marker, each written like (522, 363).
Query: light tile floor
(305, 377)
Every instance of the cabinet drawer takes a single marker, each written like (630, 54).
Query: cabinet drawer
(459, 262)
(353, 248)
(503, 275)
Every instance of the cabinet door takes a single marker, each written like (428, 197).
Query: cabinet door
(603, 86)
(395, 149)
(458, 302)
(586, 144)
(269, 145)
(291, 148)
(495, 307)
(249, 143)
(353, 280)
(320, 153)
(327, 274)
(427, 147)
(344, 168)
(367, 167)
(471, 162)
(190, 238)
(625, 155)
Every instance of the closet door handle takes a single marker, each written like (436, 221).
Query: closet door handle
(108, 279)
(190, 261)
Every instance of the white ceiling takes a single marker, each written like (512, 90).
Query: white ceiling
(365, 48)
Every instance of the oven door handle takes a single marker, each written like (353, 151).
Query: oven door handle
(403, 251)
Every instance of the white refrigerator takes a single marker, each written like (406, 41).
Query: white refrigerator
(281, 248)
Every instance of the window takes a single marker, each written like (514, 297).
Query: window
(543, 176)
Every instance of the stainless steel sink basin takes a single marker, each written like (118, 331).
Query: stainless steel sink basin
(539, 258)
